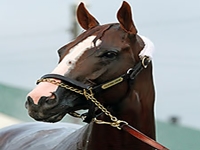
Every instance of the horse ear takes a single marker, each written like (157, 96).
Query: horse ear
(124, 17)
(85, 19)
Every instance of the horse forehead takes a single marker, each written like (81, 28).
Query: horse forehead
(88, 43)
(69, 61)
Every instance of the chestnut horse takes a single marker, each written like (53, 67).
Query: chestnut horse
(106, 70)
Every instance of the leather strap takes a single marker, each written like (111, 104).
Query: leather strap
(66, 80)
(139, 135)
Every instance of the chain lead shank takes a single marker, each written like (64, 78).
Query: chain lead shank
(89, 96)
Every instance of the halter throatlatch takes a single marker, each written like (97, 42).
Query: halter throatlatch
(89, 92)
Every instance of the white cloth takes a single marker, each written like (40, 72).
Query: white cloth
(148, 49)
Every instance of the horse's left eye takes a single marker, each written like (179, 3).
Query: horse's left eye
(110, 55)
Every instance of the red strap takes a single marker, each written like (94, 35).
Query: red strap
(142, 137)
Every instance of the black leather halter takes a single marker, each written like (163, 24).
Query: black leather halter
(129, 75)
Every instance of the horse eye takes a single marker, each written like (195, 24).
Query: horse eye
(110, 54)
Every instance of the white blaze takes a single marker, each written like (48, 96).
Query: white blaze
(64, 67)
(69, 61)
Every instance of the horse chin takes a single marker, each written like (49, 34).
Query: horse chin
(52, 119)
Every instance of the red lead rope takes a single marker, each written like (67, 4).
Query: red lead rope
(142, 137)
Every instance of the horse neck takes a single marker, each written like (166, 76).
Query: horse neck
(144, 87)
(137, 110)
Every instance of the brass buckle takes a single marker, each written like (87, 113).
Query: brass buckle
(117, 124)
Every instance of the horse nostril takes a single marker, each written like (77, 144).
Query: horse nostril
(53, 96)
(52, 99)
(44, 102)
(28, 102)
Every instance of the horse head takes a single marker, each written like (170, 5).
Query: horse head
(102, 55)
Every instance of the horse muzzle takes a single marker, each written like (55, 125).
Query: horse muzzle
(53, 108)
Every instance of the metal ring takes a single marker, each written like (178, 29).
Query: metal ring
(143, 61)
(129, 71)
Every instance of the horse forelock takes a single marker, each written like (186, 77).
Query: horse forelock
(97, 31)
